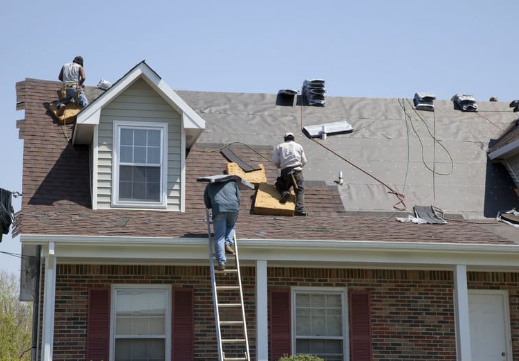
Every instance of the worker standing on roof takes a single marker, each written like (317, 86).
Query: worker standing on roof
(224, 199)
(290, 157)
(73, 76)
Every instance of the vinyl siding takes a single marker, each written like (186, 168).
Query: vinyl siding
(139, 103)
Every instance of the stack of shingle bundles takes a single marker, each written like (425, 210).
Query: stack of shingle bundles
(315, 92)
(424, 101)
(466, 103)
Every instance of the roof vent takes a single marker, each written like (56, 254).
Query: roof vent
(424, 101)
(288, 92)
(493, 99)
(315, 92)
(466, 103)
(515, 104)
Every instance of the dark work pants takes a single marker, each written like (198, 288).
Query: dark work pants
(284, 183)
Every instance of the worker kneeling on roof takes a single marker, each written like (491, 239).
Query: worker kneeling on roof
(73, 76)
(290, 158)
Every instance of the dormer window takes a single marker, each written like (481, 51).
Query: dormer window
(139, 164)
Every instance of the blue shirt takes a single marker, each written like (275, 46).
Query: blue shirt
(222, 197)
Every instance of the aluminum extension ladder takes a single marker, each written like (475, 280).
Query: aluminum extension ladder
(229, 314)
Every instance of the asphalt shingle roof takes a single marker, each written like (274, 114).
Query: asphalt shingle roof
(56, 193)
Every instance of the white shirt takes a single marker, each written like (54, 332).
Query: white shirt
(289, 154)
(71, 73)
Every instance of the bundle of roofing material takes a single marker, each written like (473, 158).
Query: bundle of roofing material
(288, 92)
(322, 130)
(466, 103)
(515, 104)
(315, 92)
(424, 101)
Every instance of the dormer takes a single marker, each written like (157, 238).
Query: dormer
(138, 132)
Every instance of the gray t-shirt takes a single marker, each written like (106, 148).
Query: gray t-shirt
(71, 73)
(222, 197)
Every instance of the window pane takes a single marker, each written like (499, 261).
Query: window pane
(125, 173)
(125, 190)
(140, 350)
(318, 300)
(139, 155)
(123, 326)
(140, 137)
(154, 138)
(333, 301)
(126, 154)
(153, 191)
(303, 300)
(139, 174)
(126, 136)
(153, 155)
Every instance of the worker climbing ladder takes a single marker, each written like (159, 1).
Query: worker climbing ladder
(229, 308)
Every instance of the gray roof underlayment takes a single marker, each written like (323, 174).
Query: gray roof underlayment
(390, 140)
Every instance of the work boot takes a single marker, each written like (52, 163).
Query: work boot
(221, 267)
(61, 109)
(228, 249)
(301, 213)
(284, 197)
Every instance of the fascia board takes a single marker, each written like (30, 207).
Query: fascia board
(405, 254)
(504, 150)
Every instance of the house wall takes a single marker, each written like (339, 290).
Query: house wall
(139, 103)
(412, 313)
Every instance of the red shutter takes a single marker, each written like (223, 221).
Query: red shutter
(98, 324)
(280, 324)
(183, 324)
(360, 326)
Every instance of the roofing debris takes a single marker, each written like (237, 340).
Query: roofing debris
(232, 157)
(510, 217)
(424, 101)
(423, 215)
(104, 84)
(466, 103)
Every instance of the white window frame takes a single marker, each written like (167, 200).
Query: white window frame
(115, 288)
(163, 127)
(344, 314)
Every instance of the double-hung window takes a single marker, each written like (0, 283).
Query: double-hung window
(139, 164)
(319, 323)
(141, 319)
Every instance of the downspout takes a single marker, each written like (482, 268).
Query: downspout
(36, 307)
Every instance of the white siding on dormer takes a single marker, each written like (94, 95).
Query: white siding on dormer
(139, 103)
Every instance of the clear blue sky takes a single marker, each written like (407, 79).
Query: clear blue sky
(379, 48)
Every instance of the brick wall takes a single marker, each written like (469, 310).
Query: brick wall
(412, 311)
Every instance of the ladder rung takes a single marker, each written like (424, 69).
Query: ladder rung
(236, 359)
(225, 305)
(227, 287)
(231, 322)
(236, 340)
(229, 270)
